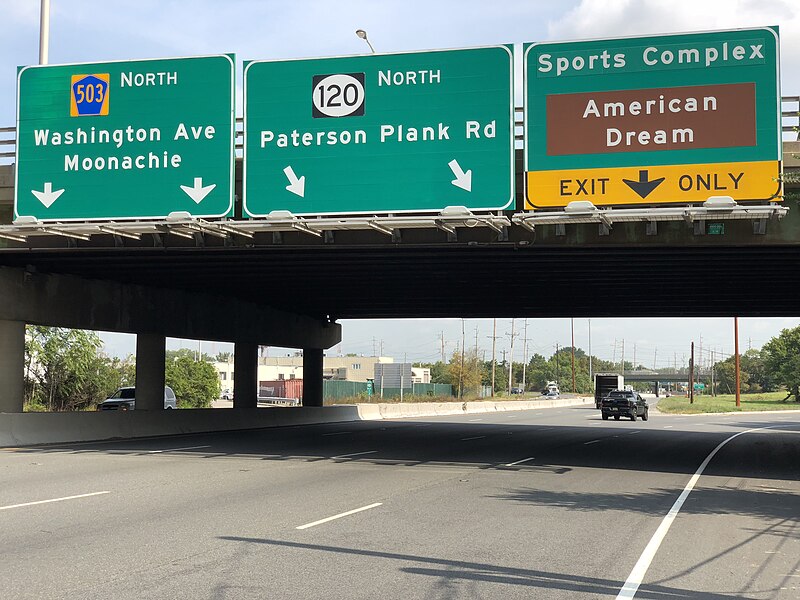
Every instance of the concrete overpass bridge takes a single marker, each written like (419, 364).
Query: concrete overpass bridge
(287, 282)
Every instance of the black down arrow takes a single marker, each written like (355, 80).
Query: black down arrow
(643, 187)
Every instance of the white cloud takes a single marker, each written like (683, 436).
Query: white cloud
(614, 18)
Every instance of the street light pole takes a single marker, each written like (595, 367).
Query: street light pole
(736, 352)
(44, 32)
(572, 330)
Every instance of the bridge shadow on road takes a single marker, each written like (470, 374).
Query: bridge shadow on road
(451, 571)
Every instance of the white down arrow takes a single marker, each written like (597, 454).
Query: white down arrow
(198, 191)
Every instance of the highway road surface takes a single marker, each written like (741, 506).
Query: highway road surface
(535, 504)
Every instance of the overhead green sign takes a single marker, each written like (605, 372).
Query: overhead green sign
(381, 133)
(125, 140)
(651, 120)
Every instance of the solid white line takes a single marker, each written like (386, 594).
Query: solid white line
(176, 449)
(519, 462)
(53, 500)
(354, 454)
(477, 437)
(337, 433)
(339, 516)
(634, 580)
(592, 442)
(668, 427)
(473, 420)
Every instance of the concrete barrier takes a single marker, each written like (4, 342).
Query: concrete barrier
(27, 429)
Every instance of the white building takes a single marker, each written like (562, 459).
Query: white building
(347, 368)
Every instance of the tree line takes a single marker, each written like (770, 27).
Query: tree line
(66, 370)
(775, 366)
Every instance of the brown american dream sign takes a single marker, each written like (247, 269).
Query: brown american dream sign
(675, 118)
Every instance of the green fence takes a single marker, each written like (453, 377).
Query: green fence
(333, 389)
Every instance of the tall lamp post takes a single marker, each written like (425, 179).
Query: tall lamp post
(44, 32)
(363, 35)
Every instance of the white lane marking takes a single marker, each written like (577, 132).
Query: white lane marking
(633, 432)
(353, 454)
(477, 437)
(176, 449)
(634, 580)
(53, 500)
(667, 426)
(473, 420)
(519, 462)
(340, 515)
(592, 442)
(337, 433)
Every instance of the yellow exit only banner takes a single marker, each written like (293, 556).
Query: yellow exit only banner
(666, 184)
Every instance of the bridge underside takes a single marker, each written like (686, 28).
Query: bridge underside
(459, 280)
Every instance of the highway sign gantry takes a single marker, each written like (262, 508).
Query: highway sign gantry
(125, 140)
(384, 133)
(653, 120)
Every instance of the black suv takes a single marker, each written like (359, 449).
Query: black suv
(621, 403)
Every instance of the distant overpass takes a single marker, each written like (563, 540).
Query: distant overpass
(664, 376)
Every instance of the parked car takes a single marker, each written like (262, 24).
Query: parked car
(624, 403)
(517, 390)
(125, 399)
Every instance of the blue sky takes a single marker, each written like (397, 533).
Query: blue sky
(88, 30)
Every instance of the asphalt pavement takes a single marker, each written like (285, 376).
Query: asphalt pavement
(551, 503)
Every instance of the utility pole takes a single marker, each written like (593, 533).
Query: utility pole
(511, 359)
(591, 378)
(476, 342)
(655, 355)
(557, 370)
(572, 330)
(691, 376)
(712, 373)
(623, 358)
(504, 356)
(736, 352)
(461, 369)
(494, 342)
(524, 354)
(443, 358)
(700, 355)
(402, 371)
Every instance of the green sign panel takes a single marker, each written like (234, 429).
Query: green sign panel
(380, 133)
(651, 120)
(125, 140)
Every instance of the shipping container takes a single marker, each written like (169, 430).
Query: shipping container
(281, 388)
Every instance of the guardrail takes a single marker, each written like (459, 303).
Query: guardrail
(279, 401)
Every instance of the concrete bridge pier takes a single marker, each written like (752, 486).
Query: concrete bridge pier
(245, 375)
(312, 377)
(150, 356)
(12, 365)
